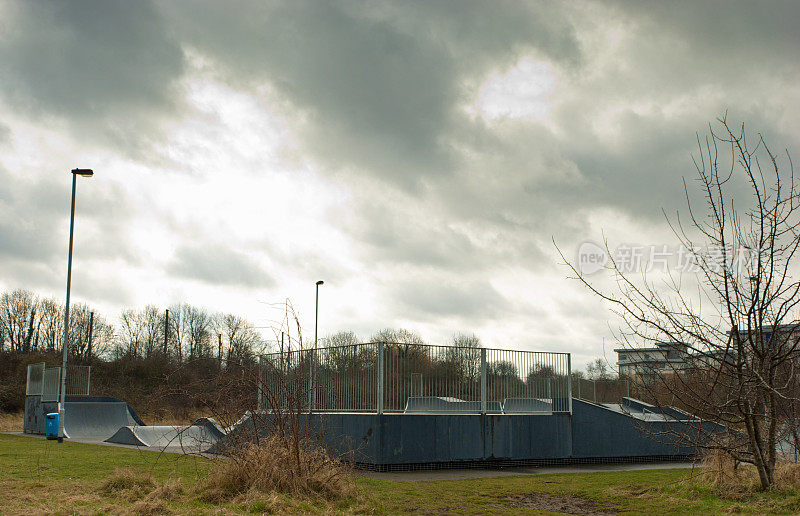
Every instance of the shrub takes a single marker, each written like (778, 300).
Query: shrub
(275, 465)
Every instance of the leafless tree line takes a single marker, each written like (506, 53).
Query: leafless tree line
(33, 324)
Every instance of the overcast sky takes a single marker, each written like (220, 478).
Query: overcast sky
(420, 157)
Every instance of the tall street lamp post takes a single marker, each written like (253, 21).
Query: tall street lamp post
(85, 172)
(312, 391)
(316, 313)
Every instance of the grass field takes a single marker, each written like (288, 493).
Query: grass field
(39, 476)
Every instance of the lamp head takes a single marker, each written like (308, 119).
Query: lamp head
(85, 172)
(320, 282)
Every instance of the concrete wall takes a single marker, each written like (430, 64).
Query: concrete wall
(592, 432)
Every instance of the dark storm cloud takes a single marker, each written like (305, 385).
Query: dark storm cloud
(724, 33)
(375, 85)
(107, 67)
(380, 98)
(218, 265)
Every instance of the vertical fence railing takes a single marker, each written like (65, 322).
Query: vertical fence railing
(33, 387)
(51, 382)
(390, 377)
(605, 390)
(78, 381)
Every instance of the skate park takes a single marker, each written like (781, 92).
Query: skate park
(385, 407)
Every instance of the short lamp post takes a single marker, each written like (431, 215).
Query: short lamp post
(85, 172)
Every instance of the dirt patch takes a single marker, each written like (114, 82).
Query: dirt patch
(562, 504)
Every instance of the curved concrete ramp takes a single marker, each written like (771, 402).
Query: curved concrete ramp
(194, 438)
(96, 421)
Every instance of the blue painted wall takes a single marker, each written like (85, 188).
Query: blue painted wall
(600, 432)
(396, 439)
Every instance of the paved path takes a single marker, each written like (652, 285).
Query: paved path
(453, 474)
(168, 449)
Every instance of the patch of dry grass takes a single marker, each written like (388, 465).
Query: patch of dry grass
(11, 422)
(737, 482)
(275, 465)
(148, 495)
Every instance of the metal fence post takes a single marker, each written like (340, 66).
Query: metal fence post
(311, 372)
(380, 374)
(594, 388)
(259, 386)
(483, 381)
(569, 382)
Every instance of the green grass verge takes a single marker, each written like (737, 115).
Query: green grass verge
(39, 476)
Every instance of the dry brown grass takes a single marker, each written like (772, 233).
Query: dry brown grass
(732, 480)
(273, 466)
(787, 475)
(11, 422)
(147, 495)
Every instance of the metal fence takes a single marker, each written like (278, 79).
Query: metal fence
(51, 382)
(390, 377)
(35, 374)
(610, 390)
(46, 382)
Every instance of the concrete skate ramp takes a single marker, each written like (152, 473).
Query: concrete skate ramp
(195, 438)
(527, 406)
(96, 421)
(437, 404)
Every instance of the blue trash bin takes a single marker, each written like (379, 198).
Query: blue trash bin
(51, 425)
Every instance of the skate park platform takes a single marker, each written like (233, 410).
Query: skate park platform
(592, 434)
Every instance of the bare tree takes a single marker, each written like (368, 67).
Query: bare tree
(465, 356)
(197, 322)
(597, 370)
(734, 305)
(51, 324)
(178, 329)
(18, 319)
(242, 338)
(130, 335)
(342, 338)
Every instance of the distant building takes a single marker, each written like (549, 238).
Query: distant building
(663, 357)
(788, 335)
(672, 357)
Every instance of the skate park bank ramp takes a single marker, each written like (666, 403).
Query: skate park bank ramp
(96, 421)
(195, 438)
